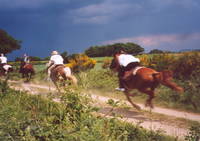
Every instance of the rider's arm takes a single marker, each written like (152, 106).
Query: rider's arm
(50, 63)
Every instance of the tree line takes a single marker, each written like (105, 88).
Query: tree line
(109, 50)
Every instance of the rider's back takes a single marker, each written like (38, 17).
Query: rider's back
(57, 59)
(125, 59)
(3, 59)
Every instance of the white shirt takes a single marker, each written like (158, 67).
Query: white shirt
(26, 59)
(56, 59)
(3, 59)
(125, 59)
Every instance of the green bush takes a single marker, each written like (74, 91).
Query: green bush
(194, 133)
(25, 117)
(188, 100)
(98, 79)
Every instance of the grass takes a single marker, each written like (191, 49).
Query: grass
(26, 117)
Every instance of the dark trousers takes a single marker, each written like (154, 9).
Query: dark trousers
(122, 71)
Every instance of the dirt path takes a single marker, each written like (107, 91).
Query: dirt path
(169, 124)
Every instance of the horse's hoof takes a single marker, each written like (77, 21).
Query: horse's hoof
(138, 108)
(146, 104)
(151, 106)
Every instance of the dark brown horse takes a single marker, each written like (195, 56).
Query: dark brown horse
(27, 71)
(61, 73)
(145, 80)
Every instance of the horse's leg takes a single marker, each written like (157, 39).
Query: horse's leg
(57, 87)
(27, 76)
(72, 78)
(129, 99)
(150, 93)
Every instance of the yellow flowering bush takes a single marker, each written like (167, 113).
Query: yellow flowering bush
(187, 65)
(145, 60)
(158, 61)
(81, 62)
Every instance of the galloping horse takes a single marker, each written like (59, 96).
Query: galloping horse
(145, 80)
(26, 70)
(62, 73)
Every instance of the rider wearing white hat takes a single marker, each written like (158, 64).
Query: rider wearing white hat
(55, 59)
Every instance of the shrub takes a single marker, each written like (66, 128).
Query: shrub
(162, 61)
(25, 117)
(81, 62)
(194, 133)
(101, 79)
(187, 66)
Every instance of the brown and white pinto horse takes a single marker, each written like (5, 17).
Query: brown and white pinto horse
(5, 69)
(145, 80)
(27, 71)
(61, 73)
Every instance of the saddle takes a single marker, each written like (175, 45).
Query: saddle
(132, 72)
(56, 67)
(25, 65)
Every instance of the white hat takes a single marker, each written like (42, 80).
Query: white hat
(54, 53)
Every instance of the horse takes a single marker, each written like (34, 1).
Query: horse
(27, 71)
(61, 73)
(146, 81)
(5, 69)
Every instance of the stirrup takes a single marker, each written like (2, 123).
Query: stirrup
(120, 89)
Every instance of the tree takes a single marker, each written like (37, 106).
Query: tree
(18, 59)
(35, 58)
(156, 51)
(8, 43)
(108, 50)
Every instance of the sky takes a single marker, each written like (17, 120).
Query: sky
(75, 25)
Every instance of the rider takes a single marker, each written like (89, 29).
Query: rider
(26, 59)
(127, 62)
(55, 59)
(3, 61)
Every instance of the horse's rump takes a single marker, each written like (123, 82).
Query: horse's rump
(28, 66)
(26, 69)
(61, 70)
(60, 73)
(144, 73)
(7, 67)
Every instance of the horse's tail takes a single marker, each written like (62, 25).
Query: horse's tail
(165, 78)
(69, 75)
